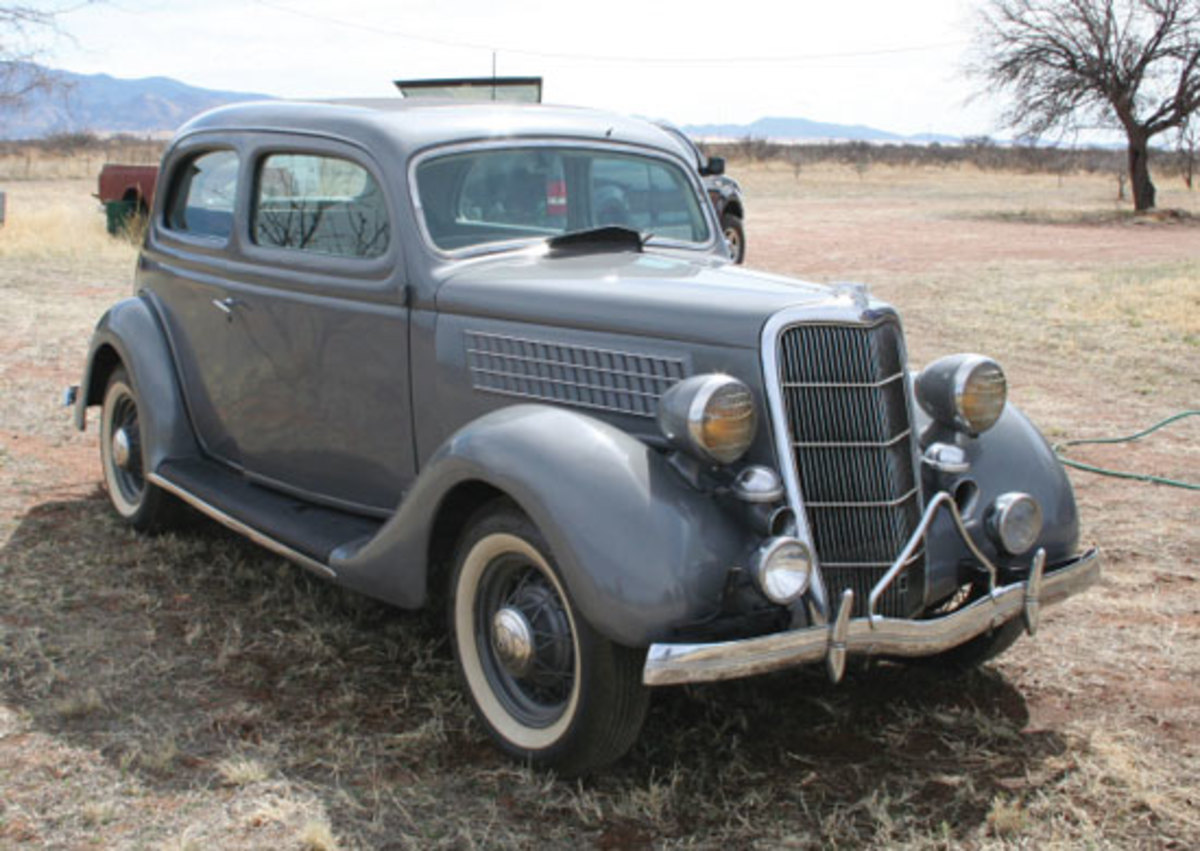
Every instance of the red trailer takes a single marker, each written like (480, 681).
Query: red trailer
(126, 190)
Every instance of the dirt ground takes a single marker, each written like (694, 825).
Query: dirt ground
(193, 691)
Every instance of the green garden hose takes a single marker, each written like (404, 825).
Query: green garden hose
(1141, 477)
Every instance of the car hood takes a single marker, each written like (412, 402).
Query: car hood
(650, 294)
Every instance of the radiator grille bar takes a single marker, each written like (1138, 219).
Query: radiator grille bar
(846, 409)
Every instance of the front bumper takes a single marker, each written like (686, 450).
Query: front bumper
(874, 635)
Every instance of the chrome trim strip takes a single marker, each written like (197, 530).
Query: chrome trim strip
(670, 664)
(809, 444)
(891, 503)
(241, 528)
(884, 564)
(841, 385)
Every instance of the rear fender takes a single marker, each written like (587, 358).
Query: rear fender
(130, 334)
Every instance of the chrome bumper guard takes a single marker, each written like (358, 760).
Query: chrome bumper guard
(873, 635)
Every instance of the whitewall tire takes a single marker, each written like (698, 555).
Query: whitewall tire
(548, 688)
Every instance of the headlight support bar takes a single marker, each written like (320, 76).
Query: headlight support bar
(942, 498)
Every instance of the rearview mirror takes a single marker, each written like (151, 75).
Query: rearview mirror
(714, 166)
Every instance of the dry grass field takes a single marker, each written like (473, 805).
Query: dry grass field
(192, 691)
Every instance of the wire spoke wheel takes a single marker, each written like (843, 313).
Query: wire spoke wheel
(126, 449)
(121, 446)
(122, 459)
(547, 687)
(525, 640)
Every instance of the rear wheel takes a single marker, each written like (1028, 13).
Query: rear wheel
(547, 687)
(147, 507)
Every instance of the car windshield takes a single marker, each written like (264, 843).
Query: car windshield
(501, 195)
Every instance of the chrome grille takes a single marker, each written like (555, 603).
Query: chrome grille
(846, 407)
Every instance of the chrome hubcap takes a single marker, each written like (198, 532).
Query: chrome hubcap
(121, 448)
(512, 636)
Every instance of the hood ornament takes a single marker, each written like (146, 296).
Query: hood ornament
(856, 292)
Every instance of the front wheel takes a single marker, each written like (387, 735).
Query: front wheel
(547, 687)
(735, 235)
(980, 649)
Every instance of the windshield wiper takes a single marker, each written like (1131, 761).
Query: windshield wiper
(603, 238)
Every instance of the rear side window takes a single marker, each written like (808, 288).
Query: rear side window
(203, 195)
(325, 205)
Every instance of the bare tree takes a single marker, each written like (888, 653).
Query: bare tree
(23, 27)
(1189, 144)
(1078, 63)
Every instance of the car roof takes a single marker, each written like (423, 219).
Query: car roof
(411, 125)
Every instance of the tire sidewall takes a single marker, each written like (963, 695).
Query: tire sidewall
(119, 386)
(731, 223)
(492, 535)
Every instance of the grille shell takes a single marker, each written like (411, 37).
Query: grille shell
(844, 394)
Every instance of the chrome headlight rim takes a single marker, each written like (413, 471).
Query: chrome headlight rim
(1005, 522)
(684, 414)
(967, 371)
(949, 387)
(766, 569)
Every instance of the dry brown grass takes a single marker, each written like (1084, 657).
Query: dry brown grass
(57, 220)
(192, 691)
(46, 161)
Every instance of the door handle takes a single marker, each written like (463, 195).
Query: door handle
(226, 306)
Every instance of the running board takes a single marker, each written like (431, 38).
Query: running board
(301, 532)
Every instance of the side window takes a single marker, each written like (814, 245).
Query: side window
(326, 205)
(203, 195)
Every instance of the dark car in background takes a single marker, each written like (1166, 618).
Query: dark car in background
(498, 355)
(724, 192)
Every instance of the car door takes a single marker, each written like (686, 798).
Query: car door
(294, 338)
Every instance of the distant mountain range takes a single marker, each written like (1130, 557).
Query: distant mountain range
(102, 104)
(804, 130)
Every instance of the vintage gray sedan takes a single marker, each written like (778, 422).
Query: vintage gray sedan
(497, 355)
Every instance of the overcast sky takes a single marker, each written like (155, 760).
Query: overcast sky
(892, 64)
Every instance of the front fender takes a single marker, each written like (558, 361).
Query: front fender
(1010, 456)
(130, 334)
(639, 549)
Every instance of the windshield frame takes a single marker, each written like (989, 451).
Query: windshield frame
(709, 246)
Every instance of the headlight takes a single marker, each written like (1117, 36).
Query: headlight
(1015, 522)
(966, 392)
(710, 416)
(782, 568)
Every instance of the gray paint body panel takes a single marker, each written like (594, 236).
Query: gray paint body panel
(1010, 456)
(131, 329)
(307, 338)
(640, 551)
(638, 294)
